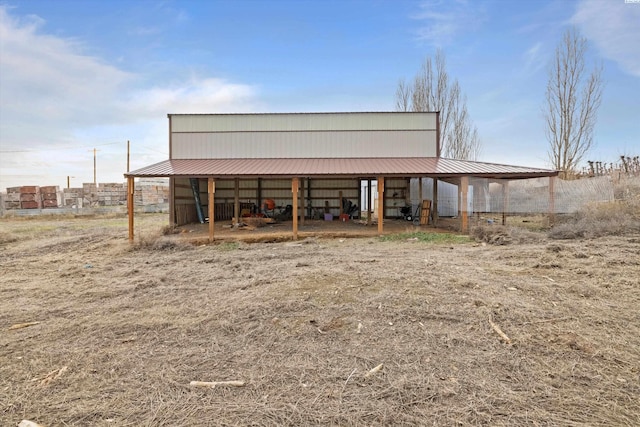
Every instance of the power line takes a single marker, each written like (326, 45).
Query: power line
(152, 149)
(58, 148)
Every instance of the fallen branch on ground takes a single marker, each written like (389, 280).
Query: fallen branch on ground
(22, 325)
(496, 328)
(51, 376)
(345, 383)
(557, 319)
(374, 370)
(213, 384)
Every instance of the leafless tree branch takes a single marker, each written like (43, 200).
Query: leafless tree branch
(572, 101)
(432, 90)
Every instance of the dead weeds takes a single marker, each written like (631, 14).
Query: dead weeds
(122, 333)
(604, 219)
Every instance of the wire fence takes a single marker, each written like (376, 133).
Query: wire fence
(531, 196)
(534, 196)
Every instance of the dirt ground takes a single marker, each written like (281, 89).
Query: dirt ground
(322, 331)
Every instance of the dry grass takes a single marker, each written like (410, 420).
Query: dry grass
(503, 235)
(135, 326)
(7, 237)
(604, 219)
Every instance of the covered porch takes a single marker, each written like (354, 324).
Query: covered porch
(391, 175)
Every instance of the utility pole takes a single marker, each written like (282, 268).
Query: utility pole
(95, 182)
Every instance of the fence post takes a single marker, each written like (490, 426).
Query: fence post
(552, 200)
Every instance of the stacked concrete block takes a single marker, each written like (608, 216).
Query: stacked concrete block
(112, 194)
(12, 198)
(90, 194)
(151, 192)
(73, 197)
(147, 192)
(50, 196)
(30, 197)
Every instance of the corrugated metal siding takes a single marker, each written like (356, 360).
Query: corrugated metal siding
(301, 122)
(245, 145)
(328, 188)
(182, 192)
(447, 196)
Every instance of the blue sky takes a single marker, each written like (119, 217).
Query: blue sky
(77, 75)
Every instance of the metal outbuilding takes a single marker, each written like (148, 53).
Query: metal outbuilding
(310, 161)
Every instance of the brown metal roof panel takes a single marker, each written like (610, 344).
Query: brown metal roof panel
(344, 166)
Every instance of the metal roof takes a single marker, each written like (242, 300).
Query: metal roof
(324, 167)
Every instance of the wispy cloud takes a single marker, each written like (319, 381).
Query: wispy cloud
(534, 59)
(441, 21)
(208, 95)
(145, 31)
(50, 80)
(614, 28)
(53, 94)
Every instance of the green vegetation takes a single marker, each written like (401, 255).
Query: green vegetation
(228, 246)
(421, 236)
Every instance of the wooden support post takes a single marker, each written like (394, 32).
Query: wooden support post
(236, 201)
(369, 202)
(464, 214)
(552, 200)
(360, 199)
(130, 204)
(259, 195)
(434, 202)
(380, 204)
(294, 190)
(340, 210)
(212, 218)
(301, 201)
(419, 194)
(505, 201)
(309, 203)
(172, 201)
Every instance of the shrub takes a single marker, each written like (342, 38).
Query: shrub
(7, 238)
(493, 234)
(603, 219)
(157, 242)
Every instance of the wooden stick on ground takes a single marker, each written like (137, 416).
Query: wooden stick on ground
(556, 319)
(496, 328)
(51, 376)
(374, 370)
(213, 384)
(22, 325)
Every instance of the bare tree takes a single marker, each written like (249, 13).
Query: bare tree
(572, 101)
(403, 96)
(432, 91)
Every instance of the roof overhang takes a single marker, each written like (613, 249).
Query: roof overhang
(337, 167)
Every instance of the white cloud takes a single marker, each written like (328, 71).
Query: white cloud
(614, 28)
(209, 95)
(56, 101)
(442, 20)
(49, 81)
